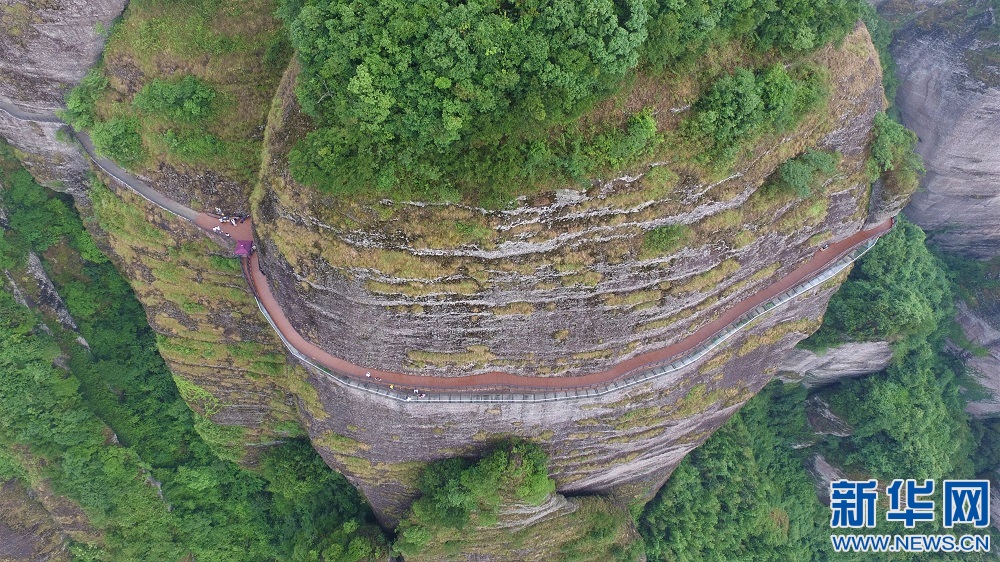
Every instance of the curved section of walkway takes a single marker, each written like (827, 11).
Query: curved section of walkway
(509, 395)
(824, 264)
(21, 115)
(134, 183)
(497, 386)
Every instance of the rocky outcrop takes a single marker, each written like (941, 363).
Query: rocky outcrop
(982, 362)
(228, 364)
(28, 532)
(558, 285)
(45, 49)
(822, 473)
(949, 94)
(624, 444)
(834, 364)
(45, 147)
(561, 284)
(47, 46)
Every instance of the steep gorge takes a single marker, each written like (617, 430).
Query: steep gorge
(560, 285)
(949, 82)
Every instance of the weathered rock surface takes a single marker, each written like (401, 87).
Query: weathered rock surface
(228, 364)
(823, 473)
(561, 287)
(949, 94)
(984, 366)
(28, 531)
(46, 47)
(834, 364)
(47, 153)
(624, 444)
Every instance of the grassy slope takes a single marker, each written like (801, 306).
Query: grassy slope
(237, 47)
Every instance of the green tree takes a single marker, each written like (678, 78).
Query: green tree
(186, 100)
(80, 100)
(897, 290)
(396, 83)
(457, 491)
(743, 494)
(801, 174)
(737, 107)
(909, 420)
(894, 157)
(118, 138)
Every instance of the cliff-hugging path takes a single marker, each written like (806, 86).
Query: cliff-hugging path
(520, 383)
(489, 382)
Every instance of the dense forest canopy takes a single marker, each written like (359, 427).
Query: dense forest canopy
(405, 92)
(426, 73)
(158, 490)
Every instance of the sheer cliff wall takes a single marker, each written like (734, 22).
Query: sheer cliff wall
(559, 285)
(228, 364)
(45, 49)
(949, 94)
(562, 284)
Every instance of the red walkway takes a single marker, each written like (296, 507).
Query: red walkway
(820, 260)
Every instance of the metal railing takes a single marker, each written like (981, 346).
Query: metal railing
(515, 393)
(512, 393)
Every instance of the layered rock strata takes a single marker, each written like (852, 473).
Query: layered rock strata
(45, 49)
(949, 94)
(835, 364)
(559, 285)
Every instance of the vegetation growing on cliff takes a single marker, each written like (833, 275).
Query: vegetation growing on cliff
(749, 492)
(461, 513)
(739, 107)
(457, 492)
(184, 83)
(408, 117)
(110, 430)
(741, 495)
(898, 290)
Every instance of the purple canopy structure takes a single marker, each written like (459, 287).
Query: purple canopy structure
(243, 247)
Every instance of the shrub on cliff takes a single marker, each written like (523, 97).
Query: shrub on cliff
(894, 157)
(80, 100)
(801, 174)
(186, 100)
(738, 107)
(665, 239)
(457, 492)
(118, 138)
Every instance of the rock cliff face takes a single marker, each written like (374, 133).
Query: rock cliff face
(46, 47)
(984, 363)
(949, 94)
(559, 285)
(832, 365)
(228, 364)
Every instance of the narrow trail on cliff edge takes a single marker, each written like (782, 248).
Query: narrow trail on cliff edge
(378, 380)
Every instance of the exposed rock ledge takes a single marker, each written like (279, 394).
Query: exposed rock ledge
(948, 94)
(834, 364)
(986, 368)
